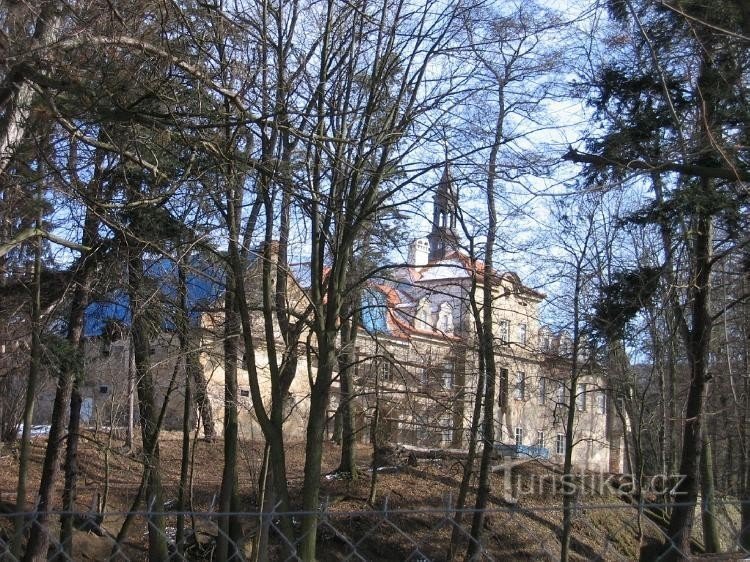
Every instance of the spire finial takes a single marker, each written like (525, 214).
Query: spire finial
(445, 144)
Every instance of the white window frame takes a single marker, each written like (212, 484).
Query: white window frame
(519, 388)
(540, 438)
(522, 333)
(448, 374)
(446, 430)
(601, 402)
(518, 436)
(503, 330)
(581, 397)
(546, 343)
(445, 318)
(560, 444)
(560, 393)
(385, 371)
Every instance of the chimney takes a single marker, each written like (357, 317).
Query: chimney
(419, 250)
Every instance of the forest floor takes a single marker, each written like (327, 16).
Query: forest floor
(409, 520)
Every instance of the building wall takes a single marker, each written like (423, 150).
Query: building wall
(297, 408)
(423, 376)
(527, 357)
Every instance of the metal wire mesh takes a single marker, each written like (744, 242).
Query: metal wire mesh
(599, 532)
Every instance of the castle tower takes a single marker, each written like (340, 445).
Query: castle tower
(443, 238)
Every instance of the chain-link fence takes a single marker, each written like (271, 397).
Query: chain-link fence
(615, 531)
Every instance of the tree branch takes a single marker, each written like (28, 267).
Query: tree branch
(24, 235)
(659, 167)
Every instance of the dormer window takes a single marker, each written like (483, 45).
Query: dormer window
(445, 318)
(545, 339)
(423, 316)
(546, 343)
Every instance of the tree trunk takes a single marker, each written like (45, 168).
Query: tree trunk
(228, 526)
(374, 441)
(485, 333)
(569, 498)
(348, 463)
(13, 125)
(130, 429)
(183, 330)
(39, 539)
(569, 495)
(71, 472)
(711, 539)
(468, 467)
(266, 503)
(31, 390)
(314, 448)
(147, 409)
(697, 346)
(743, 409)
(202, 400)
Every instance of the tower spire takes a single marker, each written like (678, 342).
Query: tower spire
(443, 237)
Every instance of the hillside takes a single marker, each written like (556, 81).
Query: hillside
(409, 521)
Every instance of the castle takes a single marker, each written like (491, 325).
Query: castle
(415, 360)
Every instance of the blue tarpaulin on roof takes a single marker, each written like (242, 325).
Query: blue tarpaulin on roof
(204, 283)
(374, 311)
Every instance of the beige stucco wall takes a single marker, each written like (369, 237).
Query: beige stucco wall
(249, 428)
(516, 352)
(417, 405)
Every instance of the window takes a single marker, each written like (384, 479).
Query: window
(566, 346)
(502, 397)
(423, 377)
(423, 434)
(540, 439)
(446, 431)
(503, 330)
(243, 398)
(423, 316)
(522, 334)
(542, 390)
(581, 397)
(560, 398)
(560, 444)
(545, 340)
(448, 374)
(385, 371)
(445, 318)
(519, 392)
(519, 436)
(103, 389)
(601, 402)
